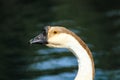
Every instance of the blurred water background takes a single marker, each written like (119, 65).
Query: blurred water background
(97, 22)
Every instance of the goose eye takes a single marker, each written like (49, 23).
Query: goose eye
(55, 32)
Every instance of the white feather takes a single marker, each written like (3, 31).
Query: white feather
(64, 40)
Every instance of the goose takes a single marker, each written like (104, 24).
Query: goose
(61, 37)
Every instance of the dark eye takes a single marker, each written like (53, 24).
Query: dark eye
(55, 32)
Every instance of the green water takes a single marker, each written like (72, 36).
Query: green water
(97, 22)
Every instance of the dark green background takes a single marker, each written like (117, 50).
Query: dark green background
(98, 23)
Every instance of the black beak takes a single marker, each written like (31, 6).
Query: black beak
(41, 38)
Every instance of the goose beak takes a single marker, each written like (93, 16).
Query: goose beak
(40, 39)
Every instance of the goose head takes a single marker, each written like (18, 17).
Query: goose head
(54, 36)
(60, 37)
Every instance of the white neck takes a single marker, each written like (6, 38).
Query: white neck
(85, 68)
(80, 50)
